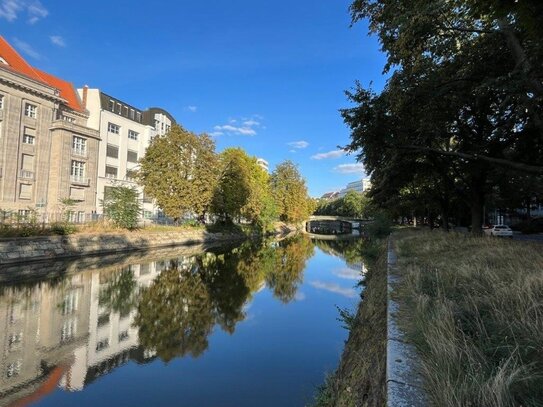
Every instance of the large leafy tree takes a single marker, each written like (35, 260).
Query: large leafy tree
(243, 189)
(179, 170)
(122, 206)
(290, 193)
(464, 100)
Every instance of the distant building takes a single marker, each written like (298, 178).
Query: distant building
(360, 187)
(263, 164)
(330, 196)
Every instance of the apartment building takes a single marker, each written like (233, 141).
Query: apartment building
(126, 132)
(47, 152)
(359, 186)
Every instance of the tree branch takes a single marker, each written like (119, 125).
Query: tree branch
(532, 169)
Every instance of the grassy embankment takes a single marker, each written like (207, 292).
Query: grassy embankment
(360, 379)
(474, 310)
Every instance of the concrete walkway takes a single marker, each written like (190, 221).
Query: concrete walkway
(404, 381)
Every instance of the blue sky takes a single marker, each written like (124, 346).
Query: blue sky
(267, 76)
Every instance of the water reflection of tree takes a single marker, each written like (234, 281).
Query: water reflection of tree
(120, 292)
(175, 314)
(178, 311)
(351, 250)
(287, 267)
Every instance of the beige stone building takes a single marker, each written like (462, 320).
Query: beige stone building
(47, 152)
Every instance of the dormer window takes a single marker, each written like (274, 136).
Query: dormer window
(3, 61)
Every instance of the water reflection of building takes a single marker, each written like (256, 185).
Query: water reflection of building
(43, 325)
(64, 334)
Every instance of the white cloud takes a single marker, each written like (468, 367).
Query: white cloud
(329, 154)
(334, 288)
(216, 133)
(251, 123)
(248, 127)
(10, 10)
(350, 168)
(57, 40)
(348, 274)
(26, 48)
(192, 109)
(36, 11)
(298, 144)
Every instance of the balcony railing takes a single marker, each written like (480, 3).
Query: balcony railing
(25, 174)
(81, 152)
(76, 179)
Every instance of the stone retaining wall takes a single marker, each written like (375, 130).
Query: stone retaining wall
(54, 247)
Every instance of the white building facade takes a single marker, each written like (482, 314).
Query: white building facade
(359, 186)
(125, 133)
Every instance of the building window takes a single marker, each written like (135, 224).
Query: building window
(1, 101)
(27, 167)
(112, 151)
(28, 139)
(69, 330)
(168, 127)
(24, 214)
(132, 114)
(157, 125)
(79, 145)
(25, 191)
(126, 111)
(78, 169)
(77, 194)
(147, 199)
(14, 369)
(147, 214)
(113, 128)
(111, 172)
(102, 344)
(132, 156)
(111, 105)
(69, 303)
(132, 135)
(119, 108)
(131, 175)
(31, 110)
(123, 336)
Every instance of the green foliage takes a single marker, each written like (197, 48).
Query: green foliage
(346, 317)
(122, 206)
(380, 227)
(461, 115)
(290, 193)
(179, 170)
(352, 205)
(243, 190)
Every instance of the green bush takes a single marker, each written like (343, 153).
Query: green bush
(380, 227)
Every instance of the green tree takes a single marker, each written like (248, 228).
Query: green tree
(179, 170)
(120, 293)
(290, 193)
(234, 186)
(122, 206)
(463, 102)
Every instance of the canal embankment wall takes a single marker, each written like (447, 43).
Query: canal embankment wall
(27, 249)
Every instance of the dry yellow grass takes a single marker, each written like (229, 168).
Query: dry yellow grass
(475, 313)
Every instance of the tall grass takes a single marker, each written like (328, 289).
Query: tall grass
(475, 313)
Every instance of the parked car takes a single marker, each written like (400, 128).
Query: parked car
(499, 230)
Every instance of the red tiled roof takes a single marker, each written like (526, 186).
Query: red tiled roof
(16, 63)
(67, 91)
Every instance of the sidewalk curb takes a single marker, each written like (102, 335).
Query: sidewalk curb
(405, 386)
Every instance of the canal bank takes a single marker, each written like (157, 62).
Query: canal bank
(30, 249)
(451, 320)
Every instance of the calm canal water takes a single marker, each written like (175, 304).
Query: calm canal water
(254, 325)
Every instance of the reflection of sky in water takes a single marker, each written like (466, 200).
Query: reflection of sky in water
(334, 288)
(348, 273)
(250, 324)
